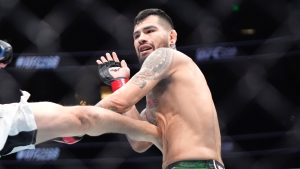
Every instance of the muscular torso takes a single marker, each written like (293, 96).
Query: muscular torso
(179, 102)
(182, 107)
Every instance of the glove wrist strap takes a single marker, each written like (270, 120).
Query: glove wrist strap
(118, 83)
(68, 140)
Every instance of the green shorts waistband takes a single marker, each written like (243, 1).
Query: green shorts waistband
(196, 164)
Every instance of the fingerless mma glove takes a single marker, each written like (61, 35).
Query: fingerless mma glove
(107, 78)
(6, 52)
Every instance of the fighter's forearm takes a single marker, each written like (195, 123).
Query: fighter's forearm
(140, 146)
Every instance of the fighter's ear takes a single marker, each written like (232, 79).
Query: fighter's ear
(173, 37)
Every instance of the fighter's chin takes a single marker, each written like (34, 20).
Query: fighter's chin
(146, 53)
(142, 59)
(143, 56)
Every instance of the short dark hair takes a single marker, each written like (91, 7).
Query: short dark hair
(153, 11)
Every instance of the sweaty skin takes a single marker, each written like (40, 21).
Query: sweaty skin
(178, 98)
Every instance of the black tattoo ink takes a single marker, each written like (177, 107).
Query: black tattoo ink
(154, 67)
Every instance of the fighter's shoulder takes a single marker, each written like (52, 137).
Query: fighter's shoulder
(168, 53)
(176, 56)
(165, 59)
(162, 52)
(160, 59)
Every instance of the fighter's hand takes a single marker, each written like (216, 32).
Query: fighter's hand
(110, 68)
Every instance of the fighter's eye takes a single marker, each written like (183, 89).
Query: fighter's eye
(136, 36)
(150, 31)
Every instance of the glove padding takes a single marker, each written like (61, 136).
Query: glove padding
(6, 52)
(103, 70)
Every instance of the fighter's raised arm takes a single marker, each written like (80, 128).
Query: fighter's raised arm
(156, 67)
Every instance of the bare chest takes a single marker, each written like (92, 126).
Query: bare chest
(156, 98)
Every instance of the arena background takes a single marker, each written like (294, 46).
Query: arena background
(248, 50)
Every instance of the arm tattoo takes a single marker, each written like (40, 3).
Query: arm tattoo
(154, 67)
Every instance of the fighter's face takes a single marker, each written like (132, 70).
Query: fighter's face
(149, 35)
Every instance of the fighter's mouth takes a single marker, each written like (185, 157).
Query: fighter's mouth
(144, 48)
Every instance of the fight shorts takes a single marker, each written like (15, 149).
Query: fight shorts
(17, 126)
(196, 164)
